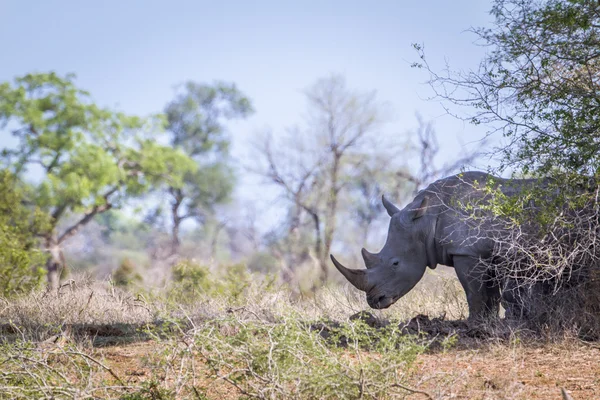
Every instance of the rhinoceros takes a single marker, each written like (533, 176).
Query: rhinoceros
(438, 227)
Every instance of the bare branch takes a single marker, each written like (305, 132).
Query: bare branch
(87, 217)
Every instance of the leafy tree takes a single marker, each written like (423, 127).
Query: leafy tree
(538, 85)
(195, 124)
(88, 159)
(21, 261)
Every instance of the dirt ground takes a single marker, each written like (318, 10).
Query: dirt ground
(495, 371)
(502, 372)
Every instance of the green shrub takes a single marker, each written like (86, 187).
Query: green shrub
(21, 260)
(234, 279)
(191, 280)
(263, 263)
(126, 274)
(292, 360)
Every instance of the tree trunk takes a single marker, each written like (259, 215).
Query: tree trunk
(175, 243)
(215, 239)
(176, 219)
(55, 262)
(319, 249)
(330, 218)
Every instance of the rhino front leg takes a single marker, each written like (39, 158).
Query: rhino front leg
(483, 295)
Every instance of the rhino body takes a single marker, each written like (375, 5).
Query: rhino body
(440, 226)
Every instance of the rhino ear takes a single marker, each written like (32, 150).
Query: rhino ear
(420, 211)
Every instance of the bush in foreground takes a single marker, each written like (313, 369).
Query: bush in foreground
(21, 260)
(291, 359)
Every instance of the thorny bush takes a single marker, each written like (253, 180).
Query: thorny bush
(547, 253)
(291, 360)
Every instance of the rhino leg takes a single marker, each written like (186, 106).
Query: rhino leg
(483, 294)
(494, 296)
(513, 297)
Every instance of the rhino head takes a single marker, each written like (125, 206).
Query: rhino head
(397, 268)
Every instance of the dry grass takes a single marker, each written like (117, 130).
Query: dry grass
(78, 304)
(91, 340)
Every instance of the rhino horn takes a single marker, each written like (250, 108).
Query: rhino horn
(370, 258)
(357, 277)
(391, 209)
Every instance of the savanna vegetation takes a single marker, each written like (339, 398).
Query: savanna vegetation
(128, 269)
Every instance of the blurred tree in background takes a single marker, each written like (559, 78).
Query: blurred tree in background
(311, 165)
(195, 125)
(87, 159)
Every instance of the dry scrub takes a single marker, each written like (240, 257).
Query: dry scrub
(91, 340)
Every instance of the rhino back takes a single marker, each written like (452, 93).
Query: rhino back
(455, 201)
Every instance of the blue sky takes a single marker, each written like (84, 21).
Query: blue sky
(131, 54)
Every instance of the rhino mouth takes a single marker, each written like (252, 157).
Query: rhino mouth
(382, 302)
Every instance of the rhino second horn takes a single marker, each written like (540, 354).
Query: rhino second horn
(370, 258)
(391, 209)
(357, 277)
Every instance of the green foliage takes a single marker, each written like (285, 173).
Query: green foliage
(513, 203)
(192, 281)
(194, 117)
(195, 125)
(191, 278)
(210, 185)
(235, 278)
(126, 274)
(538, 85)
(21, 261)
(91, 158)
(545, 59)
(292, 360)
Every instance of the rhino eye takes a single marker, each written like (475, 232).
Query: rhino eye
(395, 262)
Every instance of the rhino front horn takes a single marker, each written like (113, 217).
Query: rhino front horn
(390, 208)
(357, 277)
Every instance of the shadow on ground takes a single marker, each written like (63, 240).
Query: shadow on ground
(434, 332)
(100, 335)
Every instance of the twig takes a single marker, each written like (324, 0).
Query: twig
(99, 363)
(417, 391)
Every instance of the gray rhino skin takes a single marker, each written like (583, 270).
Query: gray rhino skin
(435, 228)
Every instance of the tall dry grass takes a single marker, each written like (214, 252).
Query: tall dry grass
(84, 301)
(90, 339)
(270, 342)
